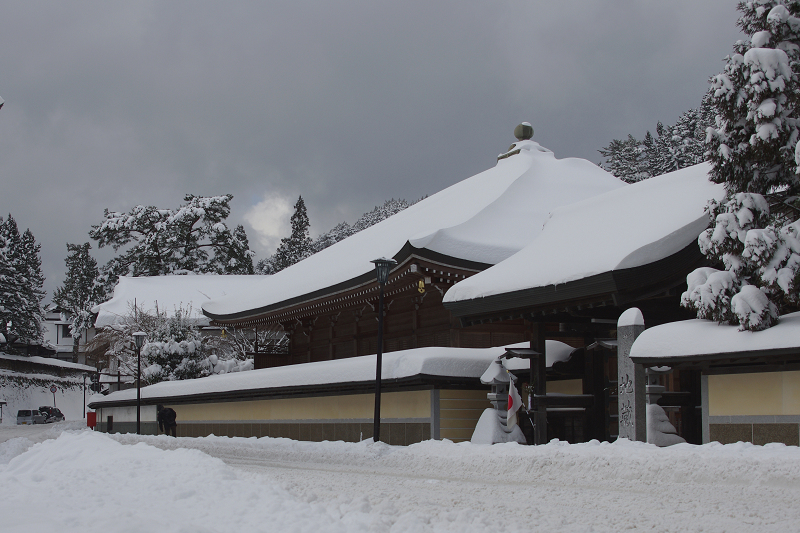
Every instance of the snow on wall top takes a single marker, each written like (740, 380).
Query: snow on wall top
(47, 361)
(447, 362)
(485, 218)
(706, 337)
(169, 293)
(624, 228)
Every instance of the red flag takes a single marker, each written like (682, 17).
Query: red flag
(514, 403)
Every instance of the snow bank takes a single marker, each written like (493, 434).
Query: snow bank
(153, 490)
(470, 220)
(624, 228)
(431, 486)
(706, 337)
(169, 293)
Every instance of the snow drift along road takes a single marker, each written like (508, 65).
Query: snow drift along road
(95, 482)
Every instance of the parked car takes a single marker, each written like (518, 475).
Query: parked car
(29, 416)
(51, 414)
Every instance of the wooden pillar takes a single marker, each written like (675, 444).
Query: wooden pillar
(691, 420)
(415, 321)
(332, 334)
(539, 382)
(356, 318)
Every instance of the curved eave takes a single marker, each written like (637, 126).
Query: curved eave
(616, 287)
(361, 284)
(420, 381)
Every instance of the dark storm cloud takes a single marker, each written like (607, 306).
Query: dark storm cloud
(346, 103)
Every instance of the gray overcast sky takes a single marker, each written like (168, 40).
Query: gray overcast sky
(113, 104)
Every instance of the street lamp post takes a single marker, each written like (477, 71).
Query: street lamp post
(382, 268)
(138, 338)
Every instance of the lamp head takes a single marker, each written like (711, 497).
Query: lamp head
(139, 338)
(382, 268)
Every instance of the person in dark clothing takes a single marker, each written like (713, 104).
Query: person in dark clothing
(166, 421)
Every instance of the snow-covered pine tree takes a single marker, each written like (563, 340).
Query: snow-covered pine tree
(191, 238)
(624, 159)
(754, 151)
(340, 232)
(379, 214)
(21, 281)
(296, 246)
(80, 292)
(672, 148)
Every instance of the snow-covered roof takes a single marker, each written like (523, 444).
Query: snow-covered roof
(432, 361)
(690, 338)
(47, 361)
(483, 219)
(623, 228)
(169, 293)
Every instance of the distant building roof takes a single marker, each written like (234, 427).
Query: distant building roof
(168, 293)
(47, 361)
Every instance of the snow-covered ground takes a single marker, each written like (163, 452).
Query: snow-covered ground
(86, 481)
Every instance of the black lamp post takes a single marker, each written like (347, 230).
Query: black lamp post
(382, 268)
(138, 338)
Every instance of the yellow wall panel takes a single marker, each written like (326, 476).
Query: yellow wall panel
(759, 393)
(566, 386)
(411, 404)
(464, 404)
(791, 393)
(459, 423)
(463, 394)
(456, 434)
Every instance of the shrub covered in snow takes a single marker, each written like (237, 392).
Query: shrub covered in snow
(173, 349)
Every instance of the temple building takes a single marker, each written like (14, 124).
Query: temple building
(327, 302)
(536, 258)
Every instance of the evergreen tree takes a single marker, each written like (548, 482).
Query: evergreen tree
(297, 246)
(754, 152)
(21, 282)
(191, 238)
(752, 142)
(339, 232)
(624, 159)
(80, 292)
(672, 148)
